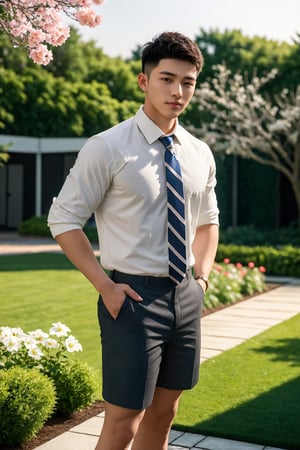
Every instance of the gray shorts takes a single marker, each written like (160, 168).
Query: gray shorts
(151, 343)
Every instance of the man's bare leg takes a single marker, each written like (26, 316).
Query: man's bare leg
(153, 431)
(120, 426)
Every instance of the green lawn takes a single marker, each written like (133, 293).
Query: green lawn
(39, 289)
(250, 393)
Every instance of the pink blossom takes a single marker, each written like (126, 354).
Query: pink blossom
(86, 16)
(41, 55)
(59, 35)
(36, 23)
(35, 37)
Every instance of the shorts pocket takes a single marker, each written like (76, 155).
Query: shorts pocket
(103, 310)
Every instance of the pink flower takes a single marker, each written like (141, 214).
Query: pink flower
(35, 37)
(251, 265)
(36, 23)
(262, 269)
(226, 260)
(41, 55)
(88, 17)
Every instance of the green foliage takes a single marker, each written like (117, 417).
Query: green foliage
(253, 236)
(27, 399)
(34, 226)
(241, 53)
(75, 385)
(37, 226)
(283, 261)
(4, 156)
(49, 353)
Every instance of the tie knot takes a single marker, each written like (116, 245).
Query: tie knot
(167, 141)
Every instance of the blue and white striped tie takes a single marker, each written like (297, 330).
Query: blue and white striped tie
(176, 215)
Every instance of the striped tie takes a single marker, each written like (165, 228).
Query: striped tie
(176, 217)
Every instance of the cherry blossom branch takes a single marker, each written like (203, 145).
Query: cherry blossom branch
(35, 24)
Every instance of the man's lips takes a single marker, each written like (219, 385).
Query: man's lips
(175, 104)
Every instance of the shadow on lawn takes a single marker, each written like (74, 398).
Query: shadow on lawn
(287, 350)
(272, 418)
(35, 261)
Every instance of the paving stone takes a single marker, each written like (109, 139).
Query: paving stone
(174, 434)
(91, 426)
(213, 443)
(70, 441)
(189, 439)
(273, 448)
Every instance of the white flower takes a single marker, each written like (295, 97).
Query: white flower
(29, 341)
(39, 335)
(7, 332)
(59, 329)
(35, 353)
(50, 343)
(12, 344)
(72, 344)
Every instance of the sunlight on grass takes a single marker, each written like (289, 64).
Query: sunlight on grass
(36, 298)
(251, 392)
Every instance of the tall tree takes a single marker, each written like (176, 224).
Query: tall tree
(244, 122)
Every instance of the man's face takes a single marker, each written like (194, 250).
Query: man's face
(168, 90)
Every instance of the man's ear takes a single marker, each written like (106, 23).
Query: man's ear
(143, 81)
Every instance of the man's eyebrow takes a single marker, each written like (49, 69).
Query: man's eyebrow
(171, 74)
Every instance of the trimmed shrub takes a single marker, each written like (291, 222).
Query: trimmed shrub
(27, 399)
(73, 380)
(252, 236)
(35, 226)
(75, 386)
(283, 261)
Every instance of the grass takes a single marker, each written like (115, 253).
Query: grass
(250, 393)
(39, 289)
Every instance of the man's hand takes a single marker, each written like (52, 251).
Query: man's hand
(114, 294)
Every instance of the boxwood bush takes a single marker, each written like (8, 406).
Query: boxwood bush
(27, 399)
(284, 261)
(75, 386)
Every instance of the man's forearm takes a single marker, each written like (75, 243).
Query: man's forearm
(204, 248)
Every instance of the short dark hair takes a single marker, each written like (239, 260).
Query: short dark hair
(171, 45)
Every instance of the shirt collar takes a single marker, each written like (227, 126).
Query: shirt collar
(150, 130)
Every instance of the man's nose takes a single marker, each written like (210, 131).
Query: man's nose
(177, 89)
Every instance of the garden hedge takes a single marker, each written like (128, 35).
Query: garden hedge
(284, 261)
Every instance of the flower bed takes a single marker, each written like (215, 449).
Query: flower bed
(61, 385)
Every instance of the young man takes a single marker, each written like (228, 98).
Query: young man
(149, 319)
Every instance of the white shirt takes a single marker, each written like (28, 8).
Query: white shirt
(120, 176)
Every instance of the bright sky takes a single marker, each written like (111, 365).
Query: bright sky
(127, 23)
